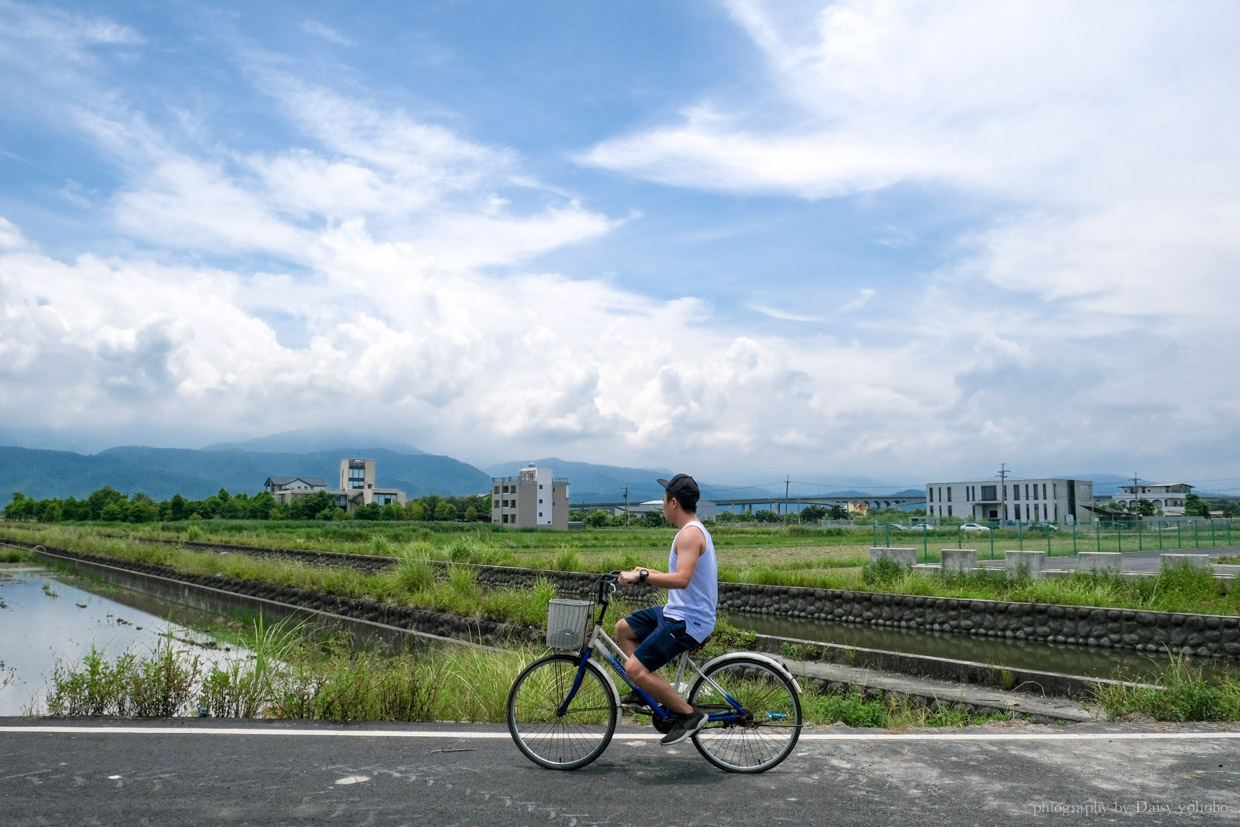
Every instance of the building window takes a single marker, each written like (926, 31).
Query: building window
(1016, 494)
(931, 492)
(1044, 491)
(989, 494)
(949, 508)
(949, 499)
(1018, 507)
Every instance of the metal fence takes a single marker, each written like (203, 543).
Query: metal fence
(1184, 534)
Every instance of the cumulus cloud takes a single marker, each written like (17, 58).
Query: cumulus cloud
(374, 263)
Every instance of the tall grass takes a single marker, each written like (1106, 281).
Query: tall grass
(1181, 694)
(160, 684)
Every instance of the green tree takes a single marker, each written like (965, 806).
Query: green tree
(113, 512)
(1195, 506)
(178, 507)
(370, 511)
(813, 513)
(445, 511)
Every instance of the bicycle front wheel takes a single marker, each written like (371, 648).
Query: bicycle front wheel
(765, 733)
(555, 740)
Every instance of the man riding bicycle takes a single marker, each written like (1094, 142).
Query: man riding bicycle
(651, 637)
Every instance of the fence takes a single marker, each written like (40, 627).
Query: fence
(1071, 539)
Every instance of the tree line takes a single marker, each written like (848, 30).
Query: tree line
(111, 506)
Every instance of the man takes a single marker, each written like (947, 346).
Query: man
(653, 636)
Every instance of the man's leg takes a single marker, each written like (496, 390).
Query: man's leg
(656, 686)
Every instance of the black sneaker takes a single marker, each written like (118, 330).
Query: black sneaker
(684, 727)
(633, 699)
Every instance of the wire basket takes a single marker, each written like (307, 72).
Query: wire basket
(566, 623)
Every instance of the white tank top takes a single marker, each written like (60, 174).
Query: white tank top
(695, 605)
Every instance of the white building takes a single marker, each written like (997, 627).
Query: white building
(1023, 501)
(1168, 497)
(532, 499)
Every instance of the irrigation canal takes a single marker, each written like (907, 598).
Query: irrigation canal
(66, 616)
(1067, 659)
(51, 618)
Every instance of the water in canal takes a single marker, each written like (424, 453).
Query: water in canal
(1020, 654)
(48, 618)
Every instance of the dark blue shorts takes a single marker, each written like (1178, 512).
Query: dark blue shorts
(660, 638)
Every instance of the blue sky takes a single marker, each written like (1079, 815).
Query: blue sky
(832, 241)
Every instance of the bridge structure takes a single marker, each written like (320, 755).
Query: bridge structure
(784, 505)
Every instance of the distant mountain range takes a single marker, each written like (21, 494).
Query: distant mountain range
(245, 466)
(163, 472)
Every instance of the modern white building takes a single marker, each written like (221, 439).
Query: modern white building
(1168, 497)
(1022, 501)
(357, 487)
(532, 499)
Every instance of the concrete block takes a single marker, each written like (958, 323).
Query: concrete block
(959, 559)
(904, 557)
(1201, 561)
(1098, 562)
(1029, 562)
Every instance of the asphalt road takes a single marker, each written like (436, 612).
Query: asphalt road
(279, 773)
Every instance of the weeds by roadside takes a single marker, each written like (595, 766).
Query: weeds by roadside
(1181, 694)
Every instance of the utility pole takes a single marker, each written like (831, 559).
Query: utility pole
(1136, 490)
(1003, 472)
(626, 506)
(787, 510)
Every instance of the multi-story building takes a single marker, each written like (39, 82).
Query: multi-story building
(288, 489)
(1048, 500)
(1168, 497)
(532, 499)
(357, 486)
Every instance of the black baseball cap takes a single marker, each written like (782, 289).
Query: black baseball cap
(683, 488)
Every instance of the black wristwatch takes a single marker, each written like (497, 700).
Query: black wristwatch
(642, 575)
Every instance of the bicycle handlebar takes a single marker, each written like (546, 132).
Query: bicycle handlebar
(607, 586)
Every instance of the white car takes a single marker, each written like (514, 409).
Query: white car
(973, 527)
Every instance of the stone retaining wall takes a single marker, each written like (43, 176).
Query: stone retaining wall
(1178, 632)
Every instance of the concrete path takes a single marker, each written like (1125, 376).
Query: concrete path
(984, 700)
(276, 773)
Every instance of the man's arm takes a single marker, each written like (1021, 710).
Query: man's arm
(689, 549)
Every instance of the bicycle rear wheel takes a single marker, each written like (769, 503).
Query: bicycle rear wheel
(561, 741)
(768, 730)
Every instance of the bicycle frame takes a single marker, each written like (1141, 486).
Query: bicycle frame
(611, 654)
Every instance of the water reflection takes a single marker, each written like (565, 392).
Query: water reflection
(48, 618)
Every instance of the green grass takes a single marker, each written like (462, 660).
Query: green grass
(1181, 693)
(415, 580)
(291, 671)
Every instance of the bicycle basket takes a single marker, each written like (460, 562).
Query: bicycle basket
(566, 623)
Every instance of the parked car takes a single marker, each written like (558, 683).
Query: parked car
(1043, 526)
(973, 527)
(921, 527)
(898, 526)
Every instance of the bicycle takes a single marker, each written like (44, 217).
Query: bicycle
(563, 708)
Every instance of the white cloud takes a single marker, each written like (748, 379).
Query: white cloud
(383, 265)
